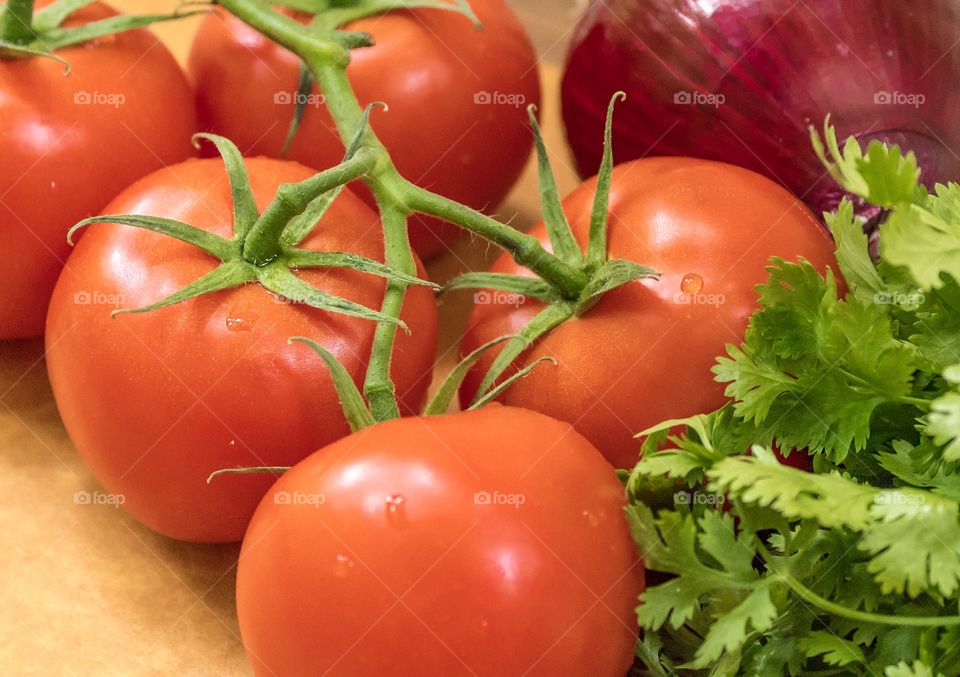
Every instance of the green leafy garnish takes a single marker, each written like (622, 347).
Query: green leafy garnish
(850, 566)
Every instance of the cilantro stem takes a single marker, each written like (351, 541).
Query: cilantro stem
(824, 604)
(918, 402)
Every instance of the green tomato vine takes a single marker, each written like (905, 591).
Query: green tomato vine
(574, 281)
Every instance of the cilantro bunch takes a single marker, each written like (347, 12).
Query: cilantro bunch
(853, 567)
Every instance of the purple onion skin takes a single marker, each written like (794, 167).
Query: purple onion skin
(883, 69)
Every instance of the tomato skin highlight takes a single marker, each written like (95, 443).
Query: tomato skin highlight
(488, 588)
(71, 143)
(644, 353)
(155, 402)
(430, 66)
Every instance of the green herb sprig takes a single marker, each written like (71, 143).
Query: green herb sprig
(853, 566)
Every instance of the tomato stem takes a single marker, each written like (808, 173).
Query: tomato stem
(378, 386)
(525, 249)
(16, 23)
(262, 244)
(383, 181)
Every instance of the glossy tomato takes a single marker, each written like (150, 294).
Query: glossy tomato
(643, 354)
(71, 142)
(457, 122)
(155, 402)
(484, 543)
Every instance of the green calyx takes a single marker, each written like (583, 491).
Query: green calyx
(600, 273)
(24, 33)
(264, 247)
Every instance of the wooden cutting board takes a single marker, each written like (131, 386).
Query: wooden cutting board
(84, 589)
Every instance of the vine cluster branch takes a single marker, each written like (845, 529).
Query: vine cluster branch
(396, 197)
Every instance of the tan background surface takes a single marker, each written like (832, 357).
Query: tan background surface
(85, 590)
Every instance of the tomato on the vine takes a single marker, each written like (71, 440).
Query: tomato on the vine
(71, 142)
(644, 353)
(491, 542)
(155, 402)
(457, 97)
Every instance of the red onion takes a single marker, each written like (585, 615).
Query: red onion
(740, 80)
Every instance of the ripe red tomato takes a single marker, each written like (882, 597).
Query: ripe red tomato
(483, 543)
(155, 402)
(643, 354)
(73, 141)
(457, 122)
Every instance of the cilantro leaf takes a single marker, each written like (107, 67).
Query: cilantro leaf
(925, 238)
(853, 257)
(728, 633)
(883, 176)
(816, 366)
(915, 542)
(943, 422)
(917, 669)
(833, 649)
(934, 327)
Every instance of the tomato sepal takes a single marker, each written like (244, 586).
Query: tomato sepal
(23, 34)
(308, 258)
(277, 278)
(558, 228)
(597, 245)
(354, 408)
(544, 321)
(527, 286)
(245, 212)
(212, 244)
(225, 276)
(612, 274)
(495, 391)
(440, 402)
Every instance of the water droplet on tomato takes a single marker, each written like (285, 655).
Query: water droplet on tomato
(394, 504)
(343, 566)
(592, 519)
(484, 623)
(237, 323)
(691, 283)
